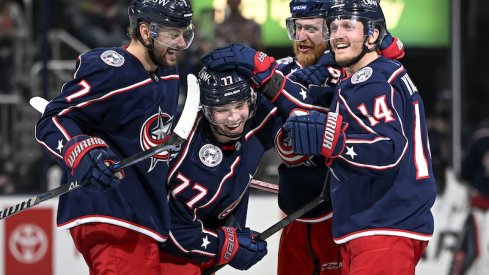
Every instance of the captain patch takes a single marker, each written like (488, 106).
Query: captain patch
(362, 75)
(112, 58)
(210, 155)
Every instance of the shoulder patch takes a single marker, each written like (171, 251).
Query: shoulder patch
(210, 155)
(361, 76)
(112, 58)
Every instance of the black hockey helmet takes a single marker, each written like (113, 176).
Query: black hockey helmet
(171, 13)
(221, 88)
(161, 15)
(368, 12)
(309, 8)
(306, 9)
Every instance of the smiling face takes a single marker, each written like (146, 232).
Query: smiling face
(169, 41)
(347, 40)
(309, 43)
(349, 43)
(229, 120)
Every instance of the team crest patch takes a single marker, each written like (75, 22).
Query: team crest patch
(362, 75)
(210, 155)
(112, 58)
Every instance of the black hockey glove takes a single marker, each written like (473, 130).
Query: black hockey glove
(255, 65)
(313, 75)
(317, 134)
(325, 72)
(239, 248)
(87, 158)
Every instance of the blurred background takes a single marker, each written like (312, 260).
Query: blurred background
(40, 40)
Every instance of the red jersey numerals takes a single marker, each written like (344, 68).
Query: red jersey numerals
(381, 111)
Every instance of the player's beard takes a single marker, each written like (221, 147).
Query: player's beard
(310, 58)
(164, 56)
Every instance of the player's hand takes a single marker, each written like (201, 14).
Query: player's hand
(88, 159)
(391, 47)
(317, 134)
(325, 71)
(239, 248)
(313, 75)
(255, 65)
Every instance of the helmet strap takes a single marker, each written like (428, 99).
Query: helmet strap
(149, 47)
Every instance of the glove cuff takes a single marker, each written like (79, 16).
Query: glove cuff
(395, 50)
(273, 87)
(78, 146)
(333, 134)
(228, 240)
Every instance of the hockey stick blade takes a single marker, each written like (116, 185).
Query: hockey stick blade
(180, 133)
(323, 197)
(38, 103)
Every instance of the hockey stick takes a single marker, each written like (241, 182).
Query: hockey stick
(179, 134)
(265, 186)
(323, 197)
(40, 104)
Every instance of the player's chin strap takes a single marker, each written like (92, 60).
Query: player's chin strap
(217, 132)
(233, 137)
(150, 47)
(365, 50)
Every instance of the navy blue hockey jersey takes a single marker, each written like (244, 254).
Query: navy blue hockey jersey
(382, 182)
(113, 97)
(209, 181)
(301, 178)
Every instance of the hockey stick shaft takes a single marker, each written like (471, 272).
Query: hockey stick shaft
(265, 186)
(298, 213)
(323, 197)
(179, 134)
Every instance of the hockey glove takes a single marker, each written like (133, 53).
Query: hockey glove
(392, 47)
(239, 248)
(252, 64)
(325, 71)
(87, 158)
(313, 75)
(317, 134)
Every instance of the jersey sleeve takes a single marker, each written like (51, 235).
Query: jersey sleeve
(266, 123)
(189, 238)
(81, 105)
(375, 138)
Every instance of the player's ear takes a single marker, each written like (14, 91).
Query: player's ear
(144, 30)
(373, 37)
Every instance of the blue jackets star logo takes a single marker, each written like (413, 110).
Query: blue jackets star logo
(154, 131)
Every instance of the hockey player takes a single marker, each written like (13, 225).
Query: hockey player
(122, 100)
(471, 257)
(209, 180)
(306, 245)
(375, 141)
